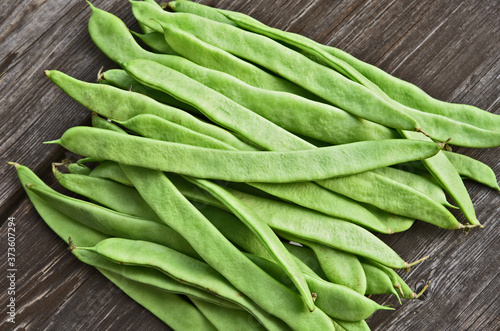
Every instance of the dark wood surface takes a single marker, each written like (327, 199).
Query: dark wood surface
(451, 49)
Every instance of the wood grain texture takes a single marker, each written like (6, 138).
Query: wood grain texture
(451, 49)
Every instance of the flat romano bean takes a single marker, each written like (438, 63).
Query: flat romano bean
(113, 195)
(116, 104)
(292, 112)
(112, 36)
(154, 127)
(226, 319)
(263, 232)
(223, 256)
(307, 224)
(337, 301)
(306, 194)
(150, 276)
(414, 97)
(110, 170)
(371, 188)
(327, 84)
(420, 183)
(400, 91)
(180, 267)
(377, 281)
(437, 126)
(395, 223)
(119, 78)
(113, 223)
(244, 166)
(316, 227)
(473, 169)
(150, 298)
(339, 267)
(447, 176)
(171, 308)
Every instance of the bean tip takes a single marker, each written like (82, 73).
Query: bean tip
(90, 4)
(57, 141)
(15, 164)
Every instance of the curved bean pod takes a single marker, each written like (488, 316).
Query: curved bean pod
(245, 166)
(366, 187)
(377, 281)
(325, 83)
(154, 127)
(420, 183)
(263, 232)
(219, 253)
(172, 309)
(113, 223)
(113, 195)
(151, 277)
(473, 169)
(66, 227)
(339, 302)
(116, 104)
(120, 79)
(178, 266)
(447, 176)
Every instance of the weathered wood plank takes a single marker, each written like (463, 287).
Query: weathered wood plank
(450, 49)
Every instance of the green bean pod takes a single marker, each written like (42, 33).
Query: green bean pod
(116, 104)
(150, 298)
(219, 253)
(171, 308)
(367, 187)
(244, 166)
(179, 267)
(150, 276)
(113, 223)
(473, 169)
(154, 127)
(291, 65)
(306, 194)
(113, 195)
(447, 176)
(263, 232)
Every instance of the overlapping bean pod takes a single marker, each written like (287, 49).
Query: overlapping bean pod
(221, 250)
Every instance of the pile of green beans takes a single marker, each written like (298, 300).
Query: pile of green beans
(235, 175)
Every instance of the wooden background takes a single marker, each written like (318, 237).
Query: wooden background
(451, 49)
